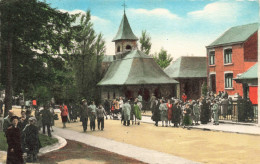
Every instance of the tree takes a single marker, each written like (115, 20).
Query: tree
(87, 55)
(204, 89)
(163, 59)
(145, 42)
(32, 32)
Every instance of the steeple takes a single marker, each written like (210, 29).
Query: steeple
(125, 39)
(125, 32)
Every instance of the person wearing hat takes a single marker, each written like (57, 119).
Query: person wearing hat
(7, 120)
(84, 112)
(13, 137)
(31, 139)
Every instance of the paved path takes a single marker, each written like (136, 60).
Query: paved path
(141, 154)
(224, 127)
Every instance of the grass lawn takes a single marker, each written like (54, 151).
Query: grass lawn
(45, 141)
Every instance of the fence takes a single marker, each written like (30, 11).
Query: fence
(239, 113)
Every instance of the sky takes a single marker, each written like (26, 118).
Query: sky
(182, 27)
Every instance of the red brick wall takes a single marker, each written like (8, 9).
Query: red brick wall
(238, 66)
(250, 48)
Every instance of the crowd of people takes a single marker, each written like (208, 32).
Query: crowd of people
(22, 133)
(172, 112)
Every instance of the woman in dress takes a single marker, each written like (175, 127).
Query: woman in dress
(169, 111)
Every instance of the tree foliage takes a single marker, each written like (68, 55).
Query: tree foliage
(145, 41)
(87, 55)
(163, 59)
(32, 33)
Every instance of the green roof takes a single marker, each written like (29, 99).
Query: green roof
(251, 73)
(188, 67)
(135, 68)
(124, 32)
(236, 34)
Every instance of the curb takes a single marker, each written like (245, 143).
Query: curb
(216, 130)
(225, 131)
(61, 143)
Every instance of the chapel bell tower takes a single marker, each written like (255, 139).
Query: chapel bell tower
(125, 40)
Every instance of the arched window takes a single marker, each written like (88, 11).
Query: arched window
(128, 47)
(118, 49)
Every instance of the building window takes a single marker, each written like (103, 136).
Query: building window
(212, 58)
(128, 47)
(227, 56)
(229, 80)
(118, 49)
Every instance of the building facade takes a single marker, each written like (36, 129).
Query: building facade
(132, 72)
(191, 73)
(230, 55)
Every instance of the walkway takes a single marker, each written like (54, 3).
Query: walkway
(141, 154)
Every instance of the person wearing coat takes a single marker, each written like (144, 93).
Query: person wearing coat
(64, 114)
(152, 102)
(13, 136)
(101, 113)
(31, 138)
(126, 111)
(137, 113)
(215, 108)
(156, 117)
(187, 121)
(169, 111)
(224, 104)
(46, 119)
(196, 113)
(176, 114)
(92, 115)
(163, 112)
(7, 121)
(84, 112)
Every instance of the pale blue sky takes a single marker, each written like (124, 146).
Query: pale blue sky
(182, 27)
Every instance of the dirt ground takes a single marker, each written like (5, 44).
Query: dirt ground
(196, 145)
(76, 152)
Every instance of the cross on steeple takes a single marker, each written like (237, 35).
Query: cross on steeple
(124, 6)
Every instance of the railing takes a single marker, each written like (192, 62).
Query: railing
(239, 114)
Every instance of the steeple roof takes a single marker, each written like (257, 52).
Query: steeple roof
(124, 32)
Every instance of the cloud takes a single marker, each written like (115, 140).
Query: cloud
(217, 12)
(158, 12)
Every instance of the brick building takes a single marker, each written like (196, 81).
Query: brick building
(230, 55)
